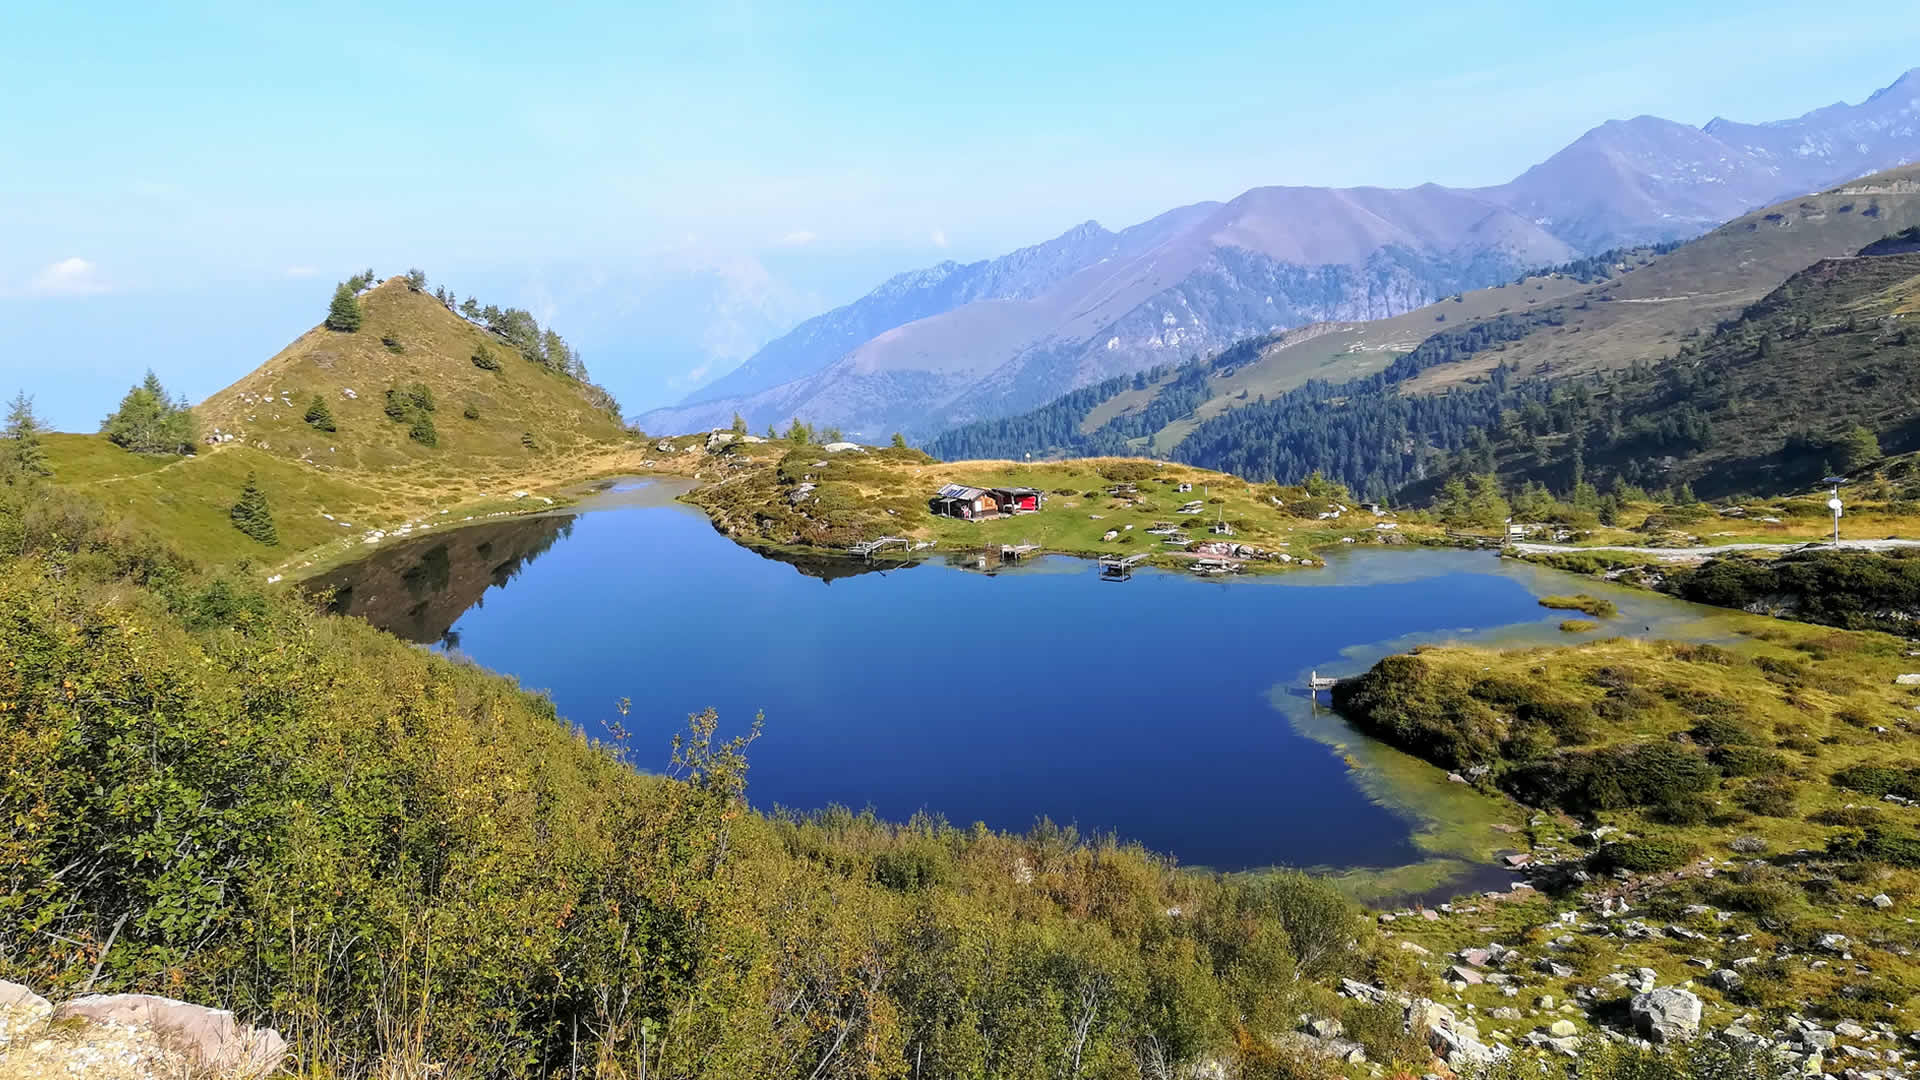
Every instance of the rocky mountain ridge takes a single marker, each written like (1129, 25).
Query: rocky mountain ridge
(950, 344)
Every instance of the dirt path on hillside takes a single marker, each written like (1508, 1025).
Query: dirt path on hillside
(1692, 554)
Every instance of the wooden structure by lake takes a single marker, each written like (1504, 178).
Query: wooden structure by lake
(979, 504)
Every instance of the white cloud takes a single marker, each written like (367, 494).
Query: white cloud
(691, 378)
(939, 238)
(798, 238)
(73, 276)
(302, 271)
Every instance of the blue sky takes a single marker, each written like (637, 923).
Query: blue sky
(181, 184)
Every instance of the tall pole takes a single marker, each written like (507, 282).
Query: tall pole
(1834, 505)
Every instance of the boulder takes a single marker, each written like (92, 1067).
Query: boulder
(1834, 943)
(1562, 1029)
(1725, 980)
(1882, 900)
(212, 1038)
(1325, 1028)
(1668, 1014)
(1907, 680)
(17, 998)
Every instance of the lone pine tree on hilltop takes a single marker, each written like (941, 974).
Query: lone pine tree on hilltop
(252, 516)
(344, 313)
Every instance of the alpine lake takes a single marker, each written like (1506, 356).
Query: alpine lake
(1165, 709)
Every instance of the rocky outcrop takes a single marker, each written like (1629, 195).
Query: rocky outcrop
(129, 1037)
(1666, 1015)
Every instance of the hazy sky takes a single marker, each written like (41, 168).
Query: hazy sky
(181, 184)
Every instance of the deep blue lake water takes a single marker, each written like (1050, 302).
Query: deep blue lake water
(1140, 707)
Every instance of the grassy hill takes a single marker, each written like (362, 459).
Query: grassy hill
(517, 426)
(1649, 312)
(1762, 405)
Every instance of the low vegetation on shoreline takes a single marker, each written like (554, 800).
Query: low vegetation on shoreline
(1733, 798)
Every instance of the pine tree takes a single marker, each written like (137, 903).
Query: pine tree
(1857, 447)
(150, 422)
(899, 441)
(23, 452)
(319, 415)
(470, 308)
(739, 424)
(252, 516)
(417, 279)
(343, 314)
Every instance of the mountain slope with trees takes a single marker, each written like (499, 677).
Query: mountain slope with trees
(1277, 258)
(1447, 400)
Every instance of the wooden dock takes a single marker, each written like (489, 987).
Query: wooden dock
(1119, 567)
(1317, 681)
(867, 548)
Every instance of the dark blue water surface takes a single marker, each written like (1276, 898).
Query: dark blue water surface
(1139, 707)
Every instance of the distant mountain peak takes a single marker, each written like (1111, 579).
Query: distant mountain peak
(958, 342)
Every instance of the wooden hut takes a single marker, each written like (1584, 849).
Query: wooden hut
(1017, 500)
(960, 501)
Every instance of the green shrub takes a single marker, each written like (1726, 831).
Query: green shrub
(1758, 898)
(1856, 817)
(1896, 845)
(1769, 797)
(1649, 774)
(1901, 778)
(485, 360)
(527, 441)
(1684, 810)
(422, 430)
(471, 412)
(1719, 728)
(392, 344)
(1646, 855)
(1747, 761)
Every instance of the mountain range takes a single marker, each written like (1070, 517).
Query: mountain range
(938, 347)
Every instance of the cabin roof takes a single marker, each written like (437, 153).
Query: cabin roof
(1015, 492)
(961, 491)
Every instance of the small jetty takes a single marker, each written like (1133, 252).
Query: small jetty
(1016, 552)
(1317, 682)
(1119, 568)
(866, 549)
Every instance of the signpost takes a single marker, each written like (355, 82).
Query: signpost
(1835, 505)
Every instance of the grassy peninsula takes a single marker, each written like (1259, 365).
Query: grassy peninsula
(1735, 819)
(795, 493)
